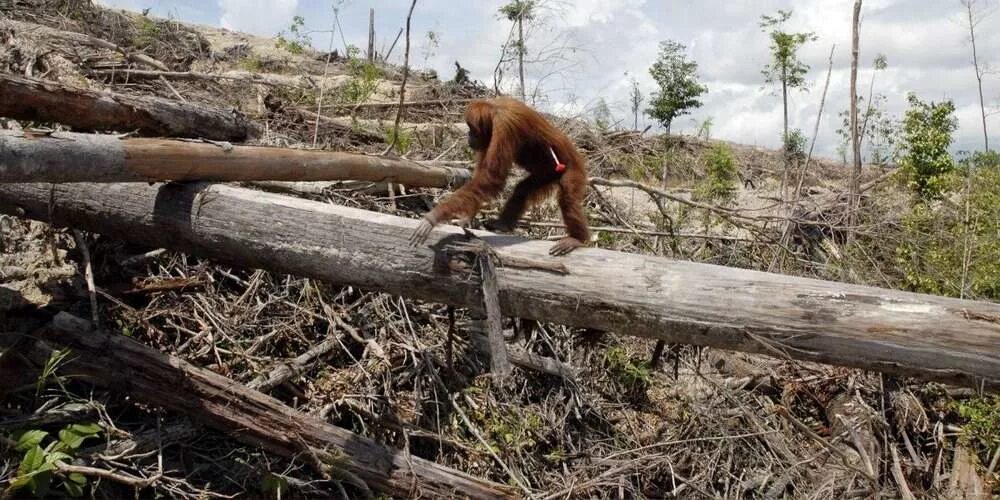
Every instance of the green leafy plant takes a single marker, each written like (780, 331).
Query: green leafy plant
(795, 144)
(294, 39)
(147, 32)
(721, 175)
(633, 376)
(364, 78)
(926, 136)
(56, 359)
(677, 78)
(953, 249)
(982, 426)
(40, 463)
(402, 138)
(785, 69)
(602, 115)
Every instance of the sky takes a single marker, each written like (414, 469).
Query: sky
(593, 48)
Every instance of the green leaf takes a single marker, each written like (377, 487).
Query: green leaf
(29, 440)
(57, 456)
(33, 461)
(74, 435)
(74, 484)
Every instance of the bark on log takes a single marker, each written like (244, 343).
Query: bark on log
(67, 157)
(251, 417)
(269, 79)
(936, 338)
(87, 110)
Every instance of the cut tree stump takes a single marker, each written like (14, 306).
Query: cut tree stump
(120, 363)
(68, 157)
(88, 110)
(935, 338)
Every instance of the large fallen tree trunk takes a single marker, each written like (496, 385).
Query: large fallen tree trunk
(248, 416)
(87, 110)
(936, 338)
(67, 157)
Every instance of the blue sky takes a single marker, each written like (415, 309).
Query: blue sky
(604, 43)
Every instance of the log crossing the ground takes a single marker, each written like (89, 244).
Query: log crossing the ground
(88, 110)
(68, 157)
(934, 338)
(251, 417)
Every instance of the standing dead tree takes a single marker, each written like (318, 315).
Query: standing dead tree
(976, 14)
(855, 203)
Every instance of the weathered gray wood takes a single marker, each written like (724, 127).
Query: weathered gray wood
(944, 339)
(87, 110)
(123, 364)
(68, 157)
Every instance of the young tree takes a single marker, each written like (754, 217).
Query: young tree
(677, 78)
(602, 115)
(976, 12)
(635, 99)
(927, 134)
(785, 67)
(519, 11)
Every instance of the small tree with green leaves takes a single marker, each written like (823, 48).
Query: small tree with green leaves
(602, 115)
(677, 77)
(519, 12)
(926, 136)
(432, 40)
(635, 98)
(721, 175)
(294, 39)
(785, 68)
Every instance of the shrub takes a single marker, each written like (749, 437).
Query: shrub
(953, 248)
(927, 134)
(721, 175)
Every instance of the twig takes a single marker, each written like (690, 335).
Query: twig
(479, 436)
(803, 428)
(88, 273)
(173, 90)
(322, 88)
(897, 474)
(135, 482)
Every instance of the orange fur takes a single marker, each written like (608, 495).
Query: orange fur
(502, 132)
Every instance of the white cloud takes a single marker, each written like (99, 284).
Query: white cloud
(258, 17)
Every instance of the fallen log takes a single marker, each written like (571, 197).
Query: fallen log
(122, 364)
(67, 157)
(268, 79)
(87, 110)
(43, 34)
(935, 338)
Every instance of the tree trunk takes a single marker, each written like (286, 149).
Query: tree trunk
(936, 338)
(68, 157)
(520, 55)
(784, 105)
(969, 4)
(371, 35)
(253, 418)
(855, 203)
(46, 101)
